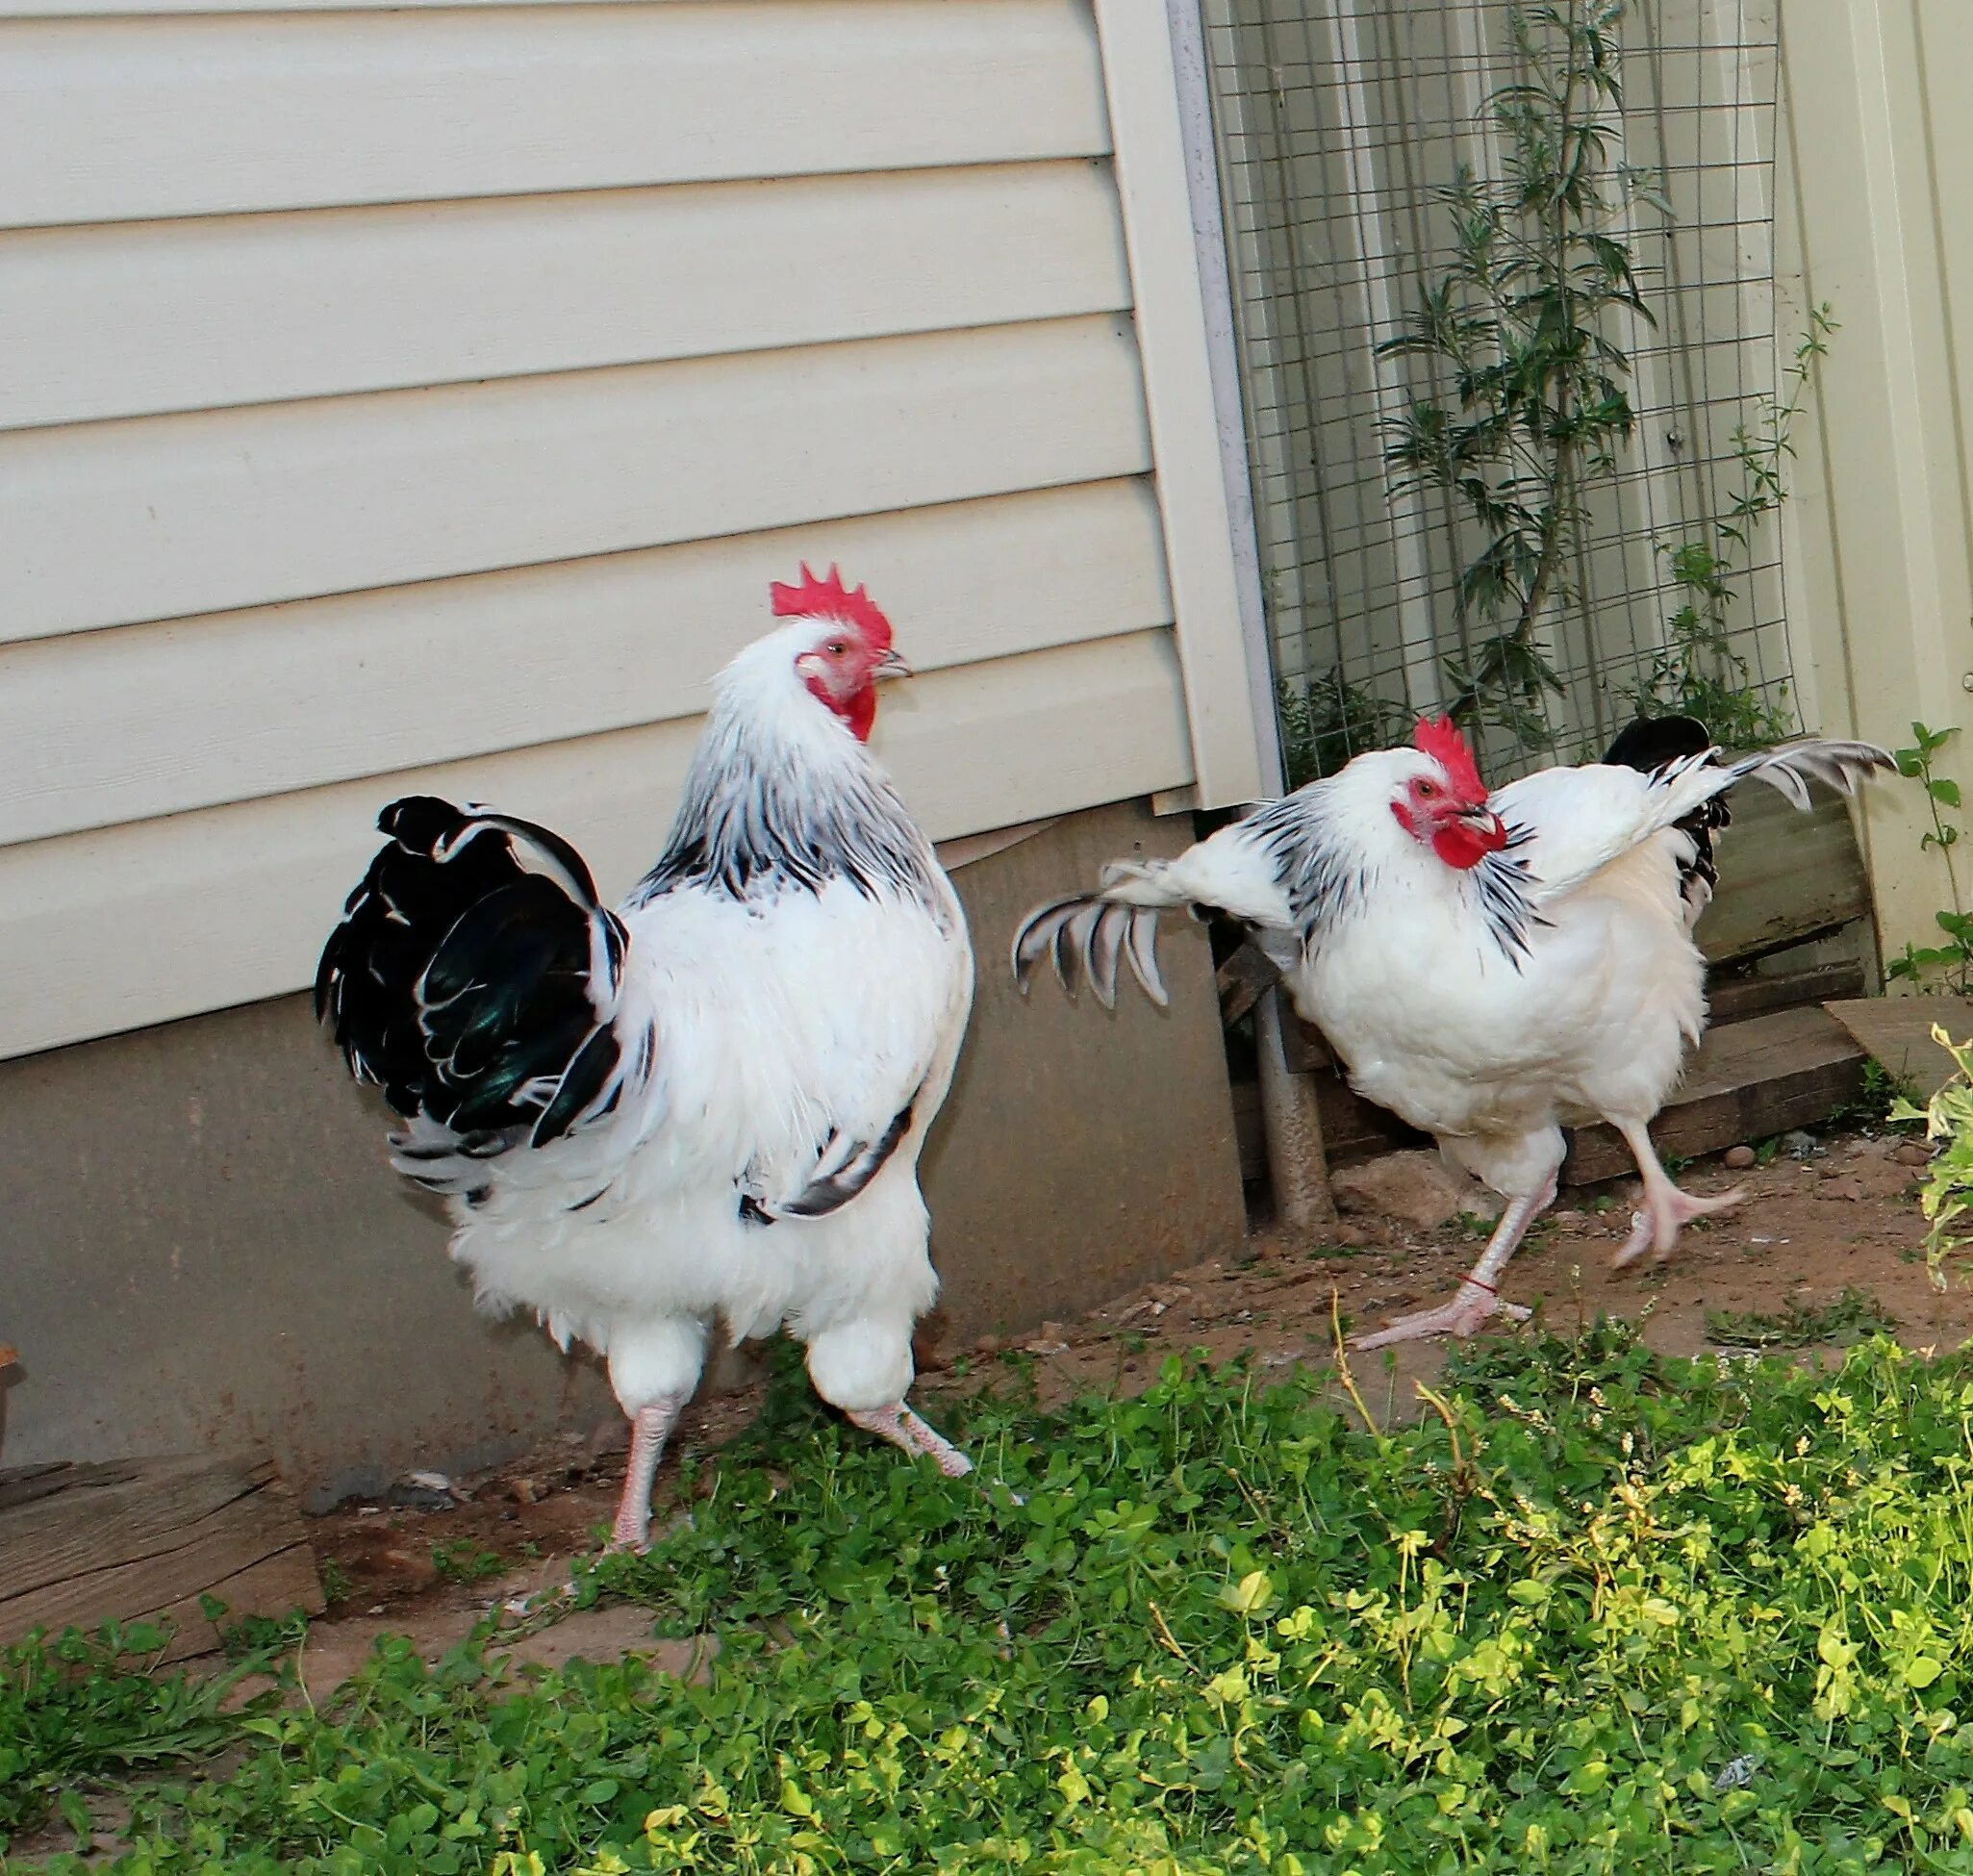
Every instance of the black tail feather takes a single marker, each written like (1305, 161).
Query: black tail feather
(473, 989)
(1649, 744)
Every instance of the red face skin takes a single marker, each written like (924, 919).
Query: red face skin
(1460, 831)
(842, 674)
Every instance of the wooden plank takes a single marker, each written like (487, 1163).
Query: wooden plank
(140, 923)
(111, 523)
(114, 118)
(147, 1537)
(1223, 715)
(1790, 1068)
(1242, 981)
(119, 726)
(1732, 1000)
(1785, 876)
(135, 318)
(1896, 1032)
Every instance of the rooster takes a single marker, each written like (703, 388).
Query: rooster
(707, 1103)
(1490, 968)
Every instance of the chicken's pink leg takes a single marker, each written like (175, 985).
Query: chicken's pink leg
(1477, 1295)
(1656, 1228)
(649, 1428)
(902, 1427)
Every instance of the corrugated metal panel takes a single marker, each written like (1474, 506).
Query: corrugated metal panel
(472, 490)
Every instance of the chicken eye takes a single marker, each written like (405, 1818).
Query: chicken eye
(1426, 788)
(835, 647)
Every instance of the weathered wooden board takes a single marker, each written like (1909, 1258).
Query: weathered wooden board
(1789, 1068)
(1785, 876)
(1897, 1031)
(147, 1538)
(1734, 999)
(1752, 1077)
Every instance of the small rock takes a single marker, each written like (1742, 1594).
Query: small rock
(1801, 1144)
(1737, 1159)
(524, 1491)
(1415, 1188)
(1051, 1340)
(987, 1345)
(1913, 1153)
(408, 1495)
(1354, 1236)
(1568, 1221)
(1843, 1188)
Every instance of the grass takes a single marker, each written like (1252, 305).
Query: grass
(1801, 1324)
(1601, 1612)
(461, 1561)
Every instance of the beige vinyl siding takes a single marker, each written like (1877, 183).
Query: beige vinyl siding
(422, 399)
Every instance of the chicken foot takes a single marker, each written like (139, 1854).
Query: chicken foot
(651, 1427)
(1477, 1295)
(1666, 1209)
(902, 1427)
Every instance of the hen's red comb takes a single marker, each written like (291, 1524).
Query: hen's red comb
(1440, 738)
(828, 599)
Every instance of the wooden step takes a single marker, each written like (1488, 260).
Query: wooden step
(1748, 1082)
(1897, 1032)
(130, 1538)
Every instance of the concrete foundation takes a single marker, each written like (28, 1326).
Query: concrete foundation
(203, 1247)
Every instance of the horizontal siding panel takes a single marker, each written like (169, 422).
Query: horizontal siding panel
(112, 524)
(135, 116)
(137, 318)
(234, 902)
(154, 719)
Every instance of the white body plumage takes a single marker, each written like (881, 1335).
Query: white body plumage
(706, 1107)
(1487, 967)
(779, 1022)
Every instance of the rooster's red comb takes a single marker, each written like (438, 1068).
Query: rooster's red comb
(828, 599)
(1440, 738)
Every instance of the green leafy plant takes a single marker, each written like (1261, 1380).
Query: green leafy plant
(1884, 1100)
(1948, 1187)
(1327, 721)
(84, 1706)
(1948, 966)
(1519, 324)
(462, 1560)
(1599, 1612)
(1697, 672)
(1801, 1324)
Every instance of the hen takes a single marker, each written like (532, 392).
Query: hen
(707, 1103)
(1487, 967)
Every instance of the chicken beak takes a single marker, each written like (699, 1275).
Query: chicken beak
(1487, 824)
(890, 664)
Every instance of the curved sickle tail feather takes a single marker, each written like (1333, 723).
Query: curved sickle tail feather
(1841, 765)
(477, 979)
(1095, 933)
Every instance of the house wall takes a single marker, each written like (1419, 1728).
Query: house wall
(206, 1247)
(1876, 146)
(422, 398)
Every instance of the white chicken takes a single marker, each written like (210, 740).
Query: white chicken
(708, 1103)
(1487, 967)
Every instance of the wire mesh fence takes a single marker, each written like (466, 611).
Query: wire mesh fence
(1344, 128)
